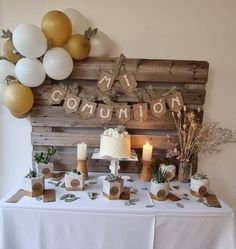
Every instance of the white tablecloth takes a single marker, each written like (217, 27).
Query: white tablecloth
(101, 224)
(195, 226)
(83, 224)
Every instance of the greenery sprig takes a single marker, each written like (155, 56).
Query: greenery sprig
(199, 176)
(114, 178)
(32, 173)
(44, 157)
(160, 176)
(6, 34)
(89, 33)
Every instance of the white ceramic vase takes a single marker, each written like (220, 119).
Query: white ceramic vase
(199, 188)
(159, 191)
(112, 190)
(45, 168)
(34, 186)
(74, 181)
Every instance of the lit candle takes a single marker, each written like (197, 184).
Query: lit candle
(81, 151)
(147, 152)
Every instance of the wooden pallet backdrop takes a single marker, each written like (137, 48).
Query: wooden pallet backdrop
(52, 126)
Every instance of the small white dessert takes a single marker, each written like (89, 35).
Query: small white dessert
(170, 169)
(112, 188)
(159, 191)
(45, 168)
(74, 181)
(199, 185)
(115, 143)
(33, 186)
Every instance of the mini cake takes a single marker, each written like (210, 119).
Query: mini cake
(74, 180)
(115, 143)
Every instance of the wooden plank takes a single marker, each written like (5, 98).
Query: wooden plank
(40, 129)
(49, 195)
(56, 116)
(146, 70)
(190, 96)
(93, 140)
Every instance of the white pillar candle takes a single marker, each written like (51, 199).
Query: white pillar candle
(147, 152)
(81, 151)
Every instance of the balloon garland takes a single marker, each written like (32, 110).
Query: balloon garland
(31, 53)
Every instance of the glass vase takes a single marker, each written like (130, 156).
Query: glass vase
(185, 172)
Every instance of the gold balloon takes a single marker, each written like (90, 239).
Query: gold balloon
(57, 28)
(17, 115)
(8, 49)
(78, 47)
(18, 98)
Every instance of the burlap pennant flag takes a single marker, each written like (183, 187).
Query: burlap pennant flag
(71, 103)
(128, 82)
(56, 95)
(140, 111)
(175, 101)
(122, 113)
(105, 82)
(104, 113)
(158, 107)
(87, 109)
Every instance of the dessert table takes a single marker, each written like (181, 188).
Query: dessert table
(101, 223)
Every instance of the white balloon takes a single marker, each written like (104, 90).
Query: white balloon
(30, 72)
(29, 40)
(100, 45)
(78, 21)
(2, 90)
(6, 68)
(58, 63)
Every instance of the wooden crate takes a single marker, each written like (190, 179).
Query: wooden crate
(51, 125)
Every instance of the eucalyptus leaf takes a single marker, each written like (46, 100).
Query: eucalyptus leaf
(180, 205)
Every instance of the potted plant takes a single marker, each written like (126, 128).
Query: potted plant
(112, 187)
(168, 163)
(197, 138)
(43, 160)
(199, 185)
(33, 183)
(74, 180)
(159, 187)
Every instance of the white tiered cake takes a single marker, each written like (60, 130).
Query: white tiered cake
(115, 143)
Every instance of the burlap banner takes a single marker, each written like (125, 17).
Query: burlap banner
(71, 103)
(158, 107)
(128, 82)
(87, 109)
(122, 113)
(175, 101)
(105, 82)
(104, 112)
(56, 95)
(140, 111)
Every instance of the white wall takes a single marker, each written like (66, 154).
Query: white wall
(180, 29)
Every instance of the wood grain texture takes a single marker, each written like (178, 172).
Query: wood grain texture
(146, 70)
(93, 140)
(52, 126)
